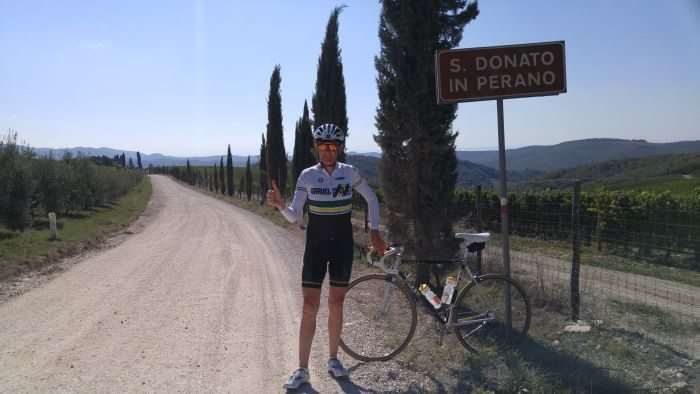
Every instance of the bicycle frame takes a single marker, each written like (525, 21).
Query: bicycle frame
(395, 273)
(473, 314)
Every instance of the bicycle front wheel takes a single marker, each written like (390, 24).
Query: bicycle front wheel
(379, 318)
(479, 313)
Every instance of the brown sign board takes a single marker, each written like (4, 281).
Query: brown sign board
(511, 71)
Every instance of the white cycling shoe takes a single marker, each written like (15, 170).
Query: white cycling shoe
(336, 368)
(299, 377)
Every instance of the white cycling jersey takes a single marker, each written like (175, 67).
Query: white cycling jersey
(330, 199)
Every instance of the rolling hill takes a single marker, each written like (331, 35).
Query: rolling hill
(677, 173)
(155, 159)
(468, 174)
(575, 153)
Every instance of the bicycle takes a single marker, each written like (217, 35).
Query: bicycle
(380, 315)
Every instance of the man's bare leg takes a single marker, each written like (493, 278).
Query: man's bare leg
(312, 299)
(336, 296)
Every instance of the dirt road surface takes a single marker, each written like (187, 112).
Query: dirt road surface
(204, 297)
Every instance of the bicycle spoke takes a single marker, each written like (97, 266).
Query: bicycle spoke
(379, 319)
(484, 303)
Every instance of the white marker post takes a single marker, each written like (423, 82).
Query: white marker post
(53, 232)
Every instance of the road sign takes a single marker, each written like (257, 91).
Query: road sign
(488, 73)
(500, 72)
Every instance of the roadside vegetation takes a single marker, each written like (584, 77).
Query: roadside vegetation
(90, 196)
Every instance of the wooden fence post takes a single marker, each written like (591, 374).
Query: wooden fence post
(576, 255)
(366, 217)
(479, 225)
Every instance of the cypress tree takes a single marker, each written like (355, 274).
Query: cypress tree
(262, 166)
(303, 144)
(222, 178)
(241, 186)
(230, 186)
(418, 165)
(296, 155)
(122, 159)
(138, 160)
(308, 154)
(248, 180)
(188, 173)
(216, 179)
(276, 155)
(329, 102)
(131, 163)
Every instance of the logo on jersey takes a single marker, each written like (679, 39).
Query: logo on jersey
(342, 190)
(320, 180)
(321, 191)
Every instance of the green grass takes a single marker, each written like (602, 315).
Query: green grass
(655, 318)
(32, 249)
(676, 184)
(589, 256)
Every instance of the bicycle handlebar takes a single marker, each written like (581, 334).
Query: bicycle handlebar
(392, 250)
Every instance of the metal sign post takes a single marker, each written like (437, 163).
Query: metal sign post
(504, 208)
(488, 73)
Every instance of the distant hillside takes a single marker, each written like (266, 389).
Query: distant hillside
(645, 167)
(575, 153)
(468, 174)
(678, 173)
(369, 166)
(156, 158)
(370, 154)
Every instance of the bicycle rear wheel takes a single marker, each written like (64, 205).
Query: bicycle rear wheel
(480, 313)
(379, 318)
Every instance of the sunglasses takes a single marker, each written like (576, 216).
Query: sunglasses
(327, 146)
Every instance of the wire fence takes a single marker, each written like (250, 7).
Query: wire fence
(640, 255)
(667, 312)
(656, 227)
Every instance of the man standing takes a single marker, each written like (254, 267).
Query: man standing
(328, 187)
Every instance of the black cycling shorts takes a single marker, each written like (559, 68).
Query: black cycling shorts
(332, 255)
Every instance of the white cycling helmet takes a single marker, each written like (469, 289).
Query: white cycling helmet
(328, 132)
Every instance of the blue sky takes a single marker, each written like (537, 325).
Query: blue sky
(189, 77)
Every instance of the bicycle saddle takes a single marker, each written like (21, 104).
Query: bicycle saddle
(471, 238)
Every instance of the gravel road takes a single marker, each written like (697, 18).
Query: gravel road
(203, 297)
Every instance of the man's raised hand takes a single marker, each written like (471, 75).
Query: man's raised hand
(274, 197)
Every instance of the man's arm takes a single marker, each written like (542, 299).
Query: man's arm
(292, 212)
(361, 186)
